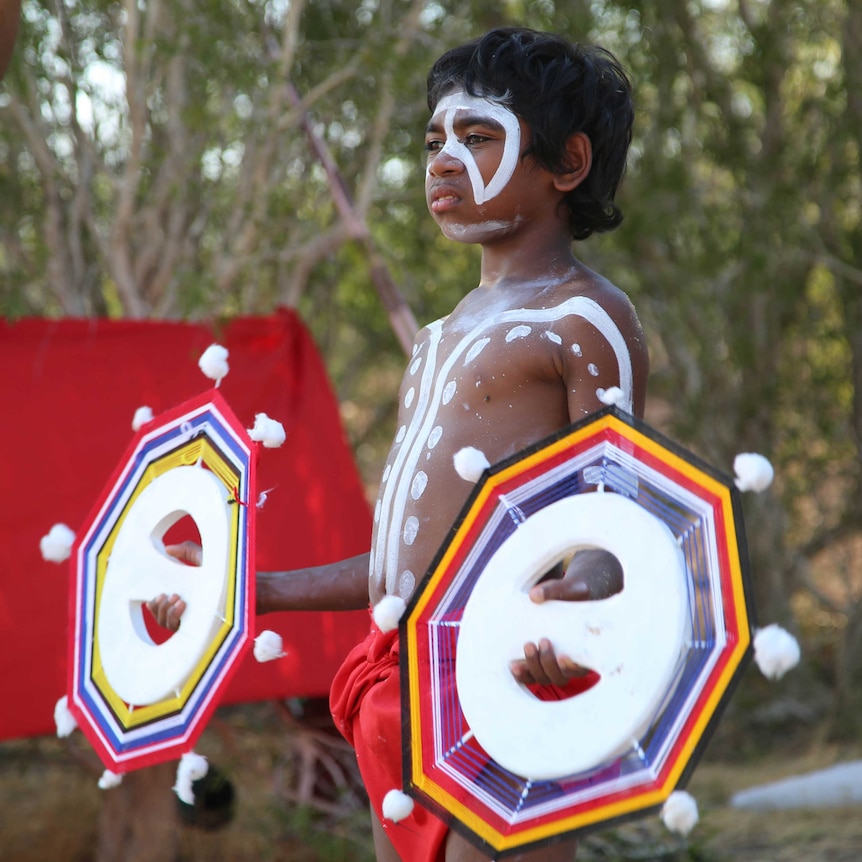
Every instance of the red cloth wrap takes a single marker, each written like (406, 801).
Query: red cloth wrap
(365, 700)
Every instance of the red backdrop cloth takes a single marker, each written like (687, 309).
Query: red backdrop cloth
(68, 392)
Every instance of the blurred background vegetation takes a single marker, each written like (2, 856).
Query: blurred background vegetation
(199, 160)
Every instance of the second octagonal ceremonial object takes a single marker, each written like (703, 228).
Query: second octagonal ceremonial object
(513, 770)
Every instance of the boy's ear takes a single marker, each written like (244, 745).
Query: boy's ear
(579, 160)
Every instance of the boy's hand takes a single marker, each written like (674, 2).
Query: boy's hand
(542, 666)
(168, 610)
(592, 574)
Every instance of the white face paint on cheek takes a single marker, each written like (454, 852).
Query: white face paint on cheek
(449, 106)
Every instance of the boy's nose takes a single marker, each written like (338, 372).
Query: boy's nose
(443, 162)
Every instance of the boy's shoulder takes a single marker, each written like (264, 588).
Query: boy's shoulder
(597, 290)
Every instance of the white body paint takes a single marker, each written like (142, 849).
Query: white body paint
(407, 488)
(449, 106)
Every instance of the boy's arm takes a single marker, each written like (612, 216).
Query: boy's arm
(339, 586)
(590, 366)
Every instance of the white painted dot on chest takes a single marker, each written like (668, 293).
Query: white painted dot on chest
(408, 398)
(406, 584)
(414, 366)
(576, 349)
(402, 431)
(411, 530)
(434, 436)
(449, 391)
(475, 350)
(516, 332)
(552, 336)
(593, 369)
(417, 487)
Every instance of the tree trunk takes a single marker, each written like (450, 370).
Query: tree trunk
(138, 820)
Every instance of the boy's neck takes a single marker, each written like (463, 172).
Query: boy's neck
(503, 266)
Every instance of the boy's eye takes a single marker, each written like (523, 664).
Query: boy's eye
(473, 140)
(433, 145)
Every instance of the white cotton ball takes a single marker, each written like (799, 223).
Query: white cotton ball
(268, 646)
(192, 767)
(56, 546)
(470, 463)
(397, 806)
(679, 813)
(753, 472)
(612, 395)
(110, 779)
(213, 362)
(268, 431)
(142, 416)
(63, 718)
(776, 651)
(388, 611)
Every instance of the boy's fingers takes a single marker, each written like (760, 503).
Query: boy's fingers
(551, 664)
(175, 612)
(560, 590)
(186, 552)
(167, 612)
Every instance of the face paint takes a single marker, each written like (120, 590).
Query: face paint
(449, 107)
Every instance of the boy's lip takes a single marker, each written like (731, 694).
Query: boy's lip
(443, 198)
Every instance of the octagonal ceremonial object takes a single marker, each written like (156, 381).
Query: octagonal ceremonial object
(137, 700)
(512, 768)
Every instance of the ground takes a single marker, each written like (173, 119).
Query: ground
(50, 801)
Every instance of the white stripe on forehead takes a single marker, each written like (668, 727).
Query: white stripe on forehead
(455, 102)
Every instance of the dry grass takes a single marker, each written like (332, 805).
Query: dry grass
(50, 803)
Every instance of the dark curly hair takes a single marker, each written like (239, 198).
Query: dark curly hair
(558, 88)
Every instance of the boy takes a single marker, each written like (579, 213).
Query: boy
(525, 149)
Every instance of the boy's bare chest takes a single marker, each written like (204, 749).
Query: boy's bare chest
(497, 381)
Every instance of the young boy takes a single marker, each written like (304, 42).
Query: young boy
(526, 146)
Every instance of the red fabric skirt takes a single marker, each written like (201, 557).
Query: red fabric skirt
(365, 700)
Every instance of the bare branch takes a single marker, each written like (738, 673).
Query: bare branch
(400, 315)
(382, 125)
(308, 256)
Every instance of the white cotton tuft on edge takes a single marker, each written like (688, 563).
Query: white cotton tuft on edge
(388, 611)
(679, 813)
(268, 646)
(397, 805)
(192, 767)
(268, 431)
(753, 472)
(470, 463)
(213, 362)
(57, 544)
(612, 395)
(776, 651)
(63, 718)
(110, 779)
(142, 416)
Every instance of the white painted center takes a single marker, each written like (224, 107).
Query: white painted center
(140, 671)
(634, 639)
